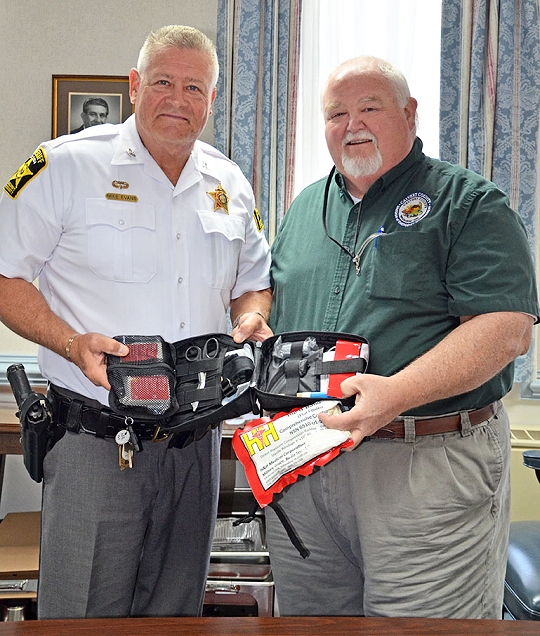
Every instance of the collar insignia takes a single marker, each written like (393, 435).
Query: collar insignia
(221, 198)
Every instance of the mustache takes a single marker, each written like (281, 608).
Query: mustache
(358, 137)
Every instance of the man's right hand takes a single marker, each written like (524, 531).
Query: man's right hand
(88, 351)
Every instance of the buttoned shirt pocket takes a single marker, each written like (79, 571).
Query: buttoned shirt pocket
(121, 239)
(222, 241)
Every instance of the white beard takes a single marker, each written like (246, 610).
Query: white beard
(356, 167)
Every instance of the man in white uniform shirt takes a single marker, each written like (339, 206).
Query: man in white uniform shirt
(135, 228)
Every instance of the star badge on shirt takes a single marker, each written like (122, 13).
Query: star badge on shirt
(221, 198)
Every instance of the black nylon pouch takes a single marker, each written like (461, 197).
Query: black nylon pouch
(143, 383)
(228, 378)
(237, 378)
(311, 367)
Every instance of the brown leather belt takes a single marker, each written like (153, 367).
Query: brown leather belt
(434, 425)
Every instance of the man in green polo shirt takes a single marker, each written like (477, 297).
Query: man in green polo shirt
(430, 264)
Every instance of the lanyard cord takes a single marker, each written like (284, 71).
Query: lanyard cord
(355, 258)
(325, 206)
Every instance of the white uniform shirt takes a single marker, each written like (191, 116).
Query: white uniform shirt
(119, 250)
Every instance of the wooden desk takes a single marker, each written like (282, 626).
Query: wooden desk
(10, 432)
(10, 436)
(19, 545)
(304, 626)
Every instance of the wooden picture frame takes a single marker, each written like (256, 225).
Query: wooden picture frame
(70, 92)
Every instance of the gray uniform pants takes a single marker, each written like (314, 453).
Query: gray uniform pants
(400, 528)
(126, 543)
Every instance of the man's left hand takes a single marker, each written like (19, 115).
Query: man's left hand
(251, 326)
(373, 408)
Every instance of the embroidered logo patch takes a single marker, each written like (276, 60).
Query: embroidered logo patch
(412, 209)
(26, 173)
(258, 220)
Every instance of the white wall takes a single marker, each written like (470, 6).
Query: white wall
(66, 37)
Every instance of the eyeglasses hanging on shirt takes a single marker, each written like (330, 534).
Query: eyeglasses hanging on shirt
(355, 258)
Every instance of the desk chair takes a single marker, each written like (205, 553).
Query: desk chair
(522, 580)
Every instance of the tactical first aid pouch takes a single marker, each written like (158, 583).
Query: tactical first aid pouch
(196, 383)
(189, 385)
(143, 383)
(294, 368)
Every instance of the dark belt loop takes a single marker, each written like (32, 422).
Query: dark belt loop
(101, 428)
(465, 424)
(74, 416)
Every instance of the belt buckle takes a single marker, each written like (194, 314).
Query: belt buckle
(164, 435)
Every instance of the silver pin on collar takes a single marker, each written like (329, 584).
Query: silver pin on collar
(130, 152)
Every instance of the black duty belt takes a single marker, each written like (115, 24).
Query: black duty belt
(79, 414)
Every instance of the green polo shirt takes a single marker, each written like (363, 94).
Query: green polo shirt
(439, 242)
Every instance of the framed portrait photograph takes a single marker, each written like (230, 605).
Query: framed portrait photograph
(80, 101)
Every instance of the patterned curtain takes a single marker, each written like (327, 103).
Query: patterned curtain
(490, 103)
(255, 108)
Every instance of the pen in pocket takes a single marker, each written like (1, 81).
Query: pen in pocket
(379, 231)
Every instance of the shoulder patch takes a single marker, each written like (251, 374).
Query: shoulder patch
(258, 220)
(26, 173)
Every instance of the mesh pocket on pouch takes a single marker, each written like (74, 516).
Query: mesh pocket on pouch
(143, 382)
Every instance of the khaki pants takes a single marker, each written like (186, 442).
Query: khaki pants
(400, 529)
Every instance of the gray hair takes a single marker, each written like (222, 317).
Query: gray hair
(180, 37)
(366, 62)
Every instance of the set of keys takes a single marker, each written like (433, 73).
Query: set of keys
(128, 443)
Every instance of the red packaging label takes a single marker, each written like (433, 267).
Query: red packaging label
(275, 453)
(344, 351)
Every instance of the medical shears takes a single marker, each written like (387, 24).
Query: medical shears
(194, 353)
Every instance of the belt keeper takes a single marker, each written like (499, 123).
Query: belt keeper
(74, 416)
(103, 423)
(465, 424)
(410, 429)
